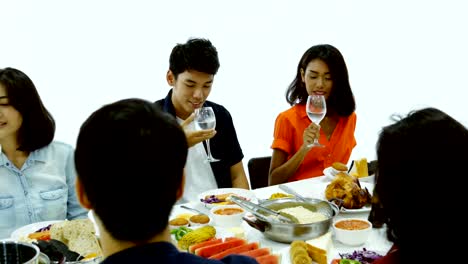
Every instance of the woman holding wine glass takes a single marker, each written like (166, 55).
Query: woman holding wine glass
(301, 148)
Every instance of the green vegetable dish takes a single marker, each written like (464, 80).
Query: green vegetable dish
(180, 232)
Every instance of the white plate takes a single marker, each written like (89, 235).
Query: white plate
(366, 208)
(370, 178)
(24, 231)
(249, 195)
(329, 174)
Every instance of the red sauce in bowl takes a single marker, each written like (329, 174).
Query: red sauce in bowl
(352, 224)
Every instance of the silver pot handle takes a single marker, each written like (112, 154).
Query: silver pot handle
(260, 226)
(336, 207)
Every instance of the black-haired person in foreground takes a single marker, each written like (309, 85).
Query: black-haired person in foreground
(130, 159)
(419, 160)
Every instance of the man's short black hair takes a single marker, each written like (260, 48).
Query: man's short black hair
(196, 54)
(130, 158)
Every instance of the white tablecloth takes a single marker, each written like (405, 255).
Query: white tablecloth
(315, 188)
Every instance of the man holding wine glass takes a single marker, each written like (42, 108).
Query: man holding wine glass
(215, 156)
(303, 147)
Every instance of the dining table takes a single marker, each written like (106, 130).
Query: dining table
(313, 188)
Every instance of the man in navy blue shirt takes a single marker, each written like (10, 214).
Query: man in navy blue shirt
(192, 67)
(130, 159)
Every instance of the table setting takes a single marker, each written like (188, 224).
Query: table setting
(312, 189)
(277, 237)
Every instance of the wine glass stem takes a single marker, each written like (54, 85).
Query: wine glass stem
(210, 158)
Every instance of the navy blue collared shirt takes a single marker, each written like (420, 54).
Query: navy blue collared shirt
(166, 253)
(224, 145)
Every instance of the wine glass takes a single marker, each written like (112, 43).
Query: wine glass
(316, 109)
(206, 119)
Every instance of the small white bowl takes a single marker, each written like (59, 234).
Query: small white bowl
(227, 215)
(352, 231)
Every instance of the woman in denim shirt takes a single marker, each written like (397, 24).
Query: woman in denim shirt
(37, 175)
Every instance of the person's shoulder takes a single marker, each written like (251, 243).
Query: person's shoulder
(352, 116)
(159, 103)
(294, 110)
(59, 146)
(221, 112)
(216, 107)
(54, 150)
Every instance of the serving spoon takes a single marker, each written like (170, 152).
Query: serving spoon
(256, 209)
(193, 209)
(335, 203)
(293, 192)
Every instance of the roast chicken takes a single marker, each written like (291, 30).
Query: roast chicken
(347, 188)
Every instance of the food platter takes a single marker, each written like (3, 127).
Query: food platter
(24, 231)
(243, 193)
(366, 208)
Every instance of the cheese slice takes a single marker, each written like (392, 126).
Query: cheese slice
(319, 247)
(361, 167)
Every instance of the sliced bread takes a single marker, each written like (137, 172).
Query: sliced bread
(319, 247)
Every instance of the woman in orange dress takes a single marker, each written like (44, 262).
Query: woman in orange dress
(321, 70)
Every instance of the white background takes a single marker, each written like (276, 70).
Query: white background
(401, 55)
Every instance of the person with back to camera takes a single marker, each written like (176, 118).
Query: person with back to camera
(145, 151)
(192, 67)
(321, 70)
(417, 158)
(37, 174)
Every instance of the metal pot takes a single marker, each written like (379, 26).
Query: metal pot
(286, 233)
(19, 252)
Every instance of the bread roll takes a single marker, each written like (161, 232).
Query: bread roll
(339, 166)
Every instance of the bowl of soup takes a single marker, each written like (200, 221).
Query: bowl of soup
(227, 215)
(352, 231)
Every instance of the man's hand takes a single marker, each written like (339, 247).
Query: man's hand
(196, 136)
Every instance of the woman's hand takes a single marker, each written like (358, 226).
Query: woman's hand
(309, 135)
(196, 136)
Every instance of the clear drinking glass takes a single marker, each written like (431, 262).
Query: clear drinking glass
(205, 119)
(316, 109)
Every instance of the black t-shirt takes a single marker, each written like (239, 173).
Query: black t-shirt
(224, 145)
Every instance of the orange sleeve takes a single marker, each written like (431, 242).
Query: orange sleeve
(282, 134)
